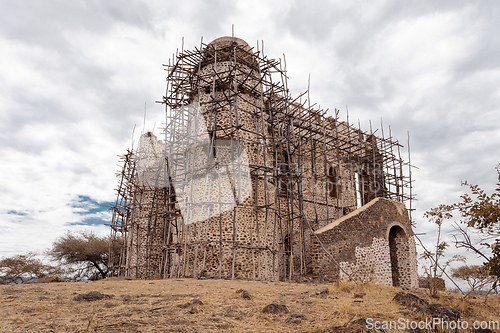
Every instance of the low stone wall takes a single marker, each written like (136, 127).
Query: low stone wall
(423, 282)
(373, 243)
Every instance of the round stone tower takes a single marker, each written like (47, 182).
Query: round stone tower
(239, 241)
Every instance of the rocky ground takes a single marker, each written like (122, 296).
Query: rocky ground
(192, 305)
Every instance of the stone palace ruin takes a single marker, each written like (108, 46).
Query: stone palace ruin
(251, 183)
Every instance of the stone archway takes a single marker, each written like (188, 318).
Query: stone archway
(400, 254)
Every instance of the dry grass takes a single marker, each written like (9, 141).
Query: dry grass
(482, 308)
(153, 306)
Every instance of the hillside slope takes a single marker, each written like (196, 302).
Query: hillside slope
(192, 305)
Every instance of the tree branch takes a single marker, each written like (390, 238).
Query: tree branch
(467, 242)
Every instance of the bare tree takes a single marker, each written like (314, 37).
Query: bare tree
(24, 268)
(436, 215)
(477, 277)
(86, 250)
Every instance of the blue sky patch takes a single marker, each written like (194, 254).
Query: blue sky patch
(15, 212)
(92, 211)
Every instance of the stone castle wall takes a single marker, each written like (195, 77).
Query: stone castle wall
(273, 224)
(374, 243)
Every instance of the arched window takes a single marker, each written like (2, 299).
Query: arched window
(333, 182)
(399, 254)
(212, 143)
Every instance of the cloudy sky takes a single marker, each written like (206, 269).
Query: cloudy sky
(76, 77)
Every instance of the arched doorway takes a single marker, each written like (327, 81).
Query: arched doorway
(399, 251)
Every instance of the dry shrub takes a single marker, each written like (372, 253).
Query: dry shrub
(368, 288)
(345, 308)
(342, 286)
(479, 307)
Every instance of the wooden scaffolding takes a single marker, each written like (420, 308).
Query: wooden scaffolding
(306, 170)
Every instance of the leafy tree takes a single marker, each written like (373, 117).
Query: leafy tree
(85, 250)
(494, 263)
(24, 268)
(481, 212)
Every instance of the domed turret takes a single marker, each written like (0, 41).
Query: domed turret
(227, 49)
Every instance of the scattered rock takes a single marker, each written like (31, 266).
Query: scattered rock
(293, 320)
(420, 305)
(359, 295)
(360, 321)
(42, 298)
(322, 291)
(193, 310)
(128, 298)
(409, 300)
(274, 308)
(296, 319)
(196, 301)
(244, 294)
(110, 305)
(439, 311)
(92, 296)
(185, 305)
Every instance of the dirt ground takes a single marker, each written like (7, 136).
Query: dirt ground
(192, 305)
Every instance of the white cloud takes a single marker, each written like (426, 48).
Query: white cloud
(74, 78)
